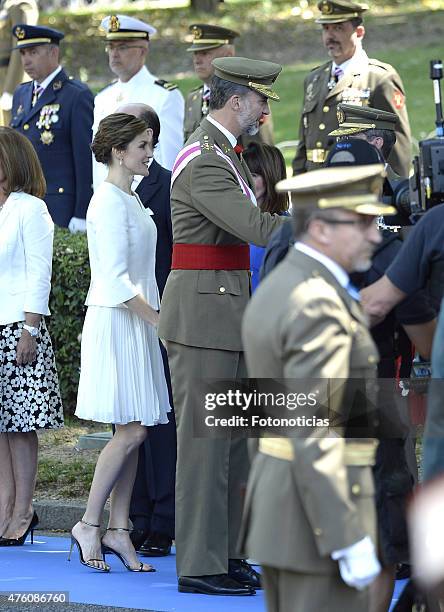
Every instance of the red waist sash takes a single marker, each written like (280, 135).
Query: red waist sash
(210, 257)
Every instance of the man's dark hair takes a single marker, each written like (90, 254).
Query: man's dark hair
(356, 21)
(222, 90)
(150, 117)
(389, 137)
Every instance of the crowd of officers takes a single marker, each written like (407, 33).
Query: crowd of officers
(309, 515)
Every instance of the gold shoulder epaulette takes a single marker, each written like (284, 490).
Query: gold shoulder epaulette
(166, 84)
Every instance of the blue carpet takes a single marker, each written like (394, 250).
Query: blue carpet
(44, 567)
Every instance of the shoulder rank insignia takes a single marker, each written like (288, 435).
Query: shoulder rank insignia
(166, 84)
(206, 145)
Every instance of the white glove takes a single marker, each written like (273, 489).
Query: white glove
(6, 101)
(358, 563)
(77, 225)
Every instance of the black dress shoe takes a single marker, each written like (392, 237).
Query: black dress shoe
(242, 572)
(138, 537)
(219, 584)
(156, 545)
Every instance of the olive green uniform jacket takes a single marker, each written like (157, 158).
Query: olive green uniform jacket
(11, 71)
(302, 324)
(204, 308)
(371, 83)
(196, 110)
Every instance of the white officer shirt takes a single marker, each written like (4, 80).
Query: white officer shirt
(169, 105)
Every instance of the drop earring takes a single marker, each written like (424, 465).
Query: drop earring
(120, 161)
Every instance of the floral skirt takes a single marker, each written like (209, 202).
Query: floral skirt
(29, 394)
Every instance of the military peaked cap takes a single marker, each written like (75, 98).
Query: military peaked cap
(355, 188)
(354, 119)
(31, 36)
(122, 27)
(206, 36)
(258, 75)
(337, 11)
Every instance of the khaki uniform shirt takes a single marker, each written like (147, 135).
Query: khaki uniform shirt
(369, 83)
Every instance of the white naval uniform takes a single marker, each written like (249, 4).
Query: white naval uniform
(168, 104)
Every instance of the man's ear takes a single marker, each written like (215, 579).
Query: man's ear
(235, 102)
(360, 31)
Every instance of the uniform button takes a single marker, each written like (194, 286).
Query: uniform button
(317, 531)
(326, 109)
(356, 489)
(319, 144)
(61, 190)
(221, 289)
(372, 359)
(26, 126)
(322, 126)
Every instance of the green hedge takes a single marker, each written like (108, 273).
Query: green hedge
(70, 282)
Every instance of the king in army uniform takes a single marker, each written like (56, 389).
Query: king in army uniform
(350, 77)
(11, 70)
(127, 45)
(309, 505)
(55, 112)
(214, 218)
(209, 43)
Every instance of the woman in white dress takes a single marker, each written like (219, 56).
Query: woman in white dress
(122, 379)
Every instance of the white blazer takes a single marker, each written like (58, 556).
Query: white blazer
(122, 249)
(26, 236)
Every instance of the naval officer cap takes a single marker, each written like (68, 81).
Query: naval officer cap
(206, 36)
(122, 27)
(338, 11)
(31, 36)
(355, 188)
(355, 119)
(258, 75)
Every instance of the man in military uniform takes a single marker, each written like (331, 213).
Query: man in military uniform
(350, 77)
(377, 127)
(209, 43)
(11, 70)
(319, 485)
(55, 112)
(214, 218)
(127, 45)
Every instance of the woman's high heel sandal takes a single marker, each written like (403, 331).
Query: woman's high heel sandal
(88, 562)
(21, 540)
(108, 549)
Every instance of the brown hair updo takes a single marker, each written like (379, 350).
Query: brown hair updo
(20, 164)
(115, 132)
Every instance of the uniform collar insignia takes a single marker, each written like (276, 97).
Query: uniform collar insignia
(57, 85)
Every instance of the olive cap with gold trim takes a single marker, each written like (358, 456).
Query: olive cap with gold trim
(31, 36)
(357, 188)
(206, 36)
(122, 27)
(338, 11)
(258, 75)
(354, 119)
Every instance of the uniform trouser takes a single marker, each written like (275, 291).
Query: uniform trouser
(287, 591)
(211, 473)
(152, 501)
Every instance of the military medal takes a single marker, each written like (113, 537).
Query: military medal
(48, 116)
(47, 137)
